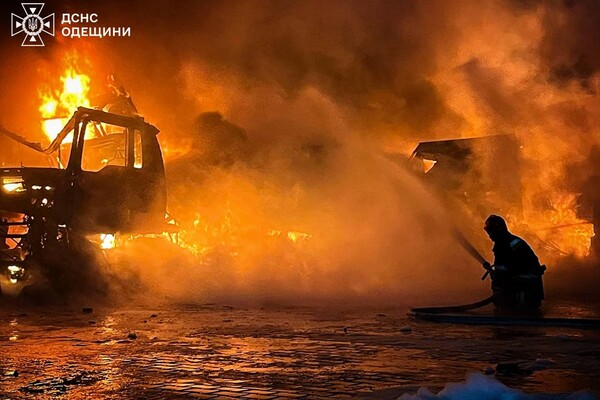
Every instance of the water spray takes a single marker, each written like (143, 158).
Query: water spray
(473, 252)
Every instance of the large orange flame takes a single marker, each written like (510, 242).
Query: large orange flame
(58, 105)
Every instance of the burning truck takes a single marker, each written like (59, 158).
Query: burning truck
(100, 183)
(105, 175)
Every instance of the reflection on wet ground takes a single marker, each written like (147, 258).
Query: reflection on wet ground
(211, 351)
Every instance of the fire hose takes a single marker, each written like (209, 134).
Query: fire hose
(473, 252)
(457, 314)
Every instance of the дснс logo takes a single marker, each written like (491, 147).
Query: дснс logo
(32, 24)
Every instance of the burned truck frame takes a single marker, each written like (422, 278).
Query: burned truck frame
(109, 178)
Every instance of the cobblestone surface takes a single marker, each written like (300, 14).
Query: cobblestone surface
(218, 352)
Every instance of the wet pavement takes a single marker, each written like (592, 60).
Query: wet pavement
(216, 351)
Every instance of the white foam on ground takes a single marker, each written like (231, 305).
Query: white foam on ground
(481, 387)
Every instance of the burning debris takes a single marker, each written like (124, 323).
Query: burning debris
(466, 173)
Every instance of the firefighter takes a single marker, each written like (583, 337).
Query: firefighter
(517, 273)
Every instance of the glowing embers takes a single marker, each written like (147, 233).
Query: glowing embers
(13, 184)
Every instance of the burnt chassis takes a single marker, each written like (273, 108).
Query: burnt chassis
(46, 214)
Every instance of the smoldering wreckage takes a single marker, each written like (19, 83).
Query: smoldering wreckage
(106, 177)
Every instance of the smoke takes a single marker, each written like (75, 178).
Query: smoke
(318, 216)
(276, 117)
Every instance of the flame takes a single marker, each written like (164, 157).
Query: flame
(226, 234)
(58, 106)
(107, 241)
(561, 227)
(204, 236)
(292, 236)
(575, 235)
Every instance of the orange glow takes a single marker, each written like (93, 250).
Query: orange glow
(13, 185)
(292, 236)
(576, 238)
(560, 226)
(58, 105)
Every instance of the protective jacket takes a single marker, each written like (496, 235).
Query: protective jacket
(517, 276)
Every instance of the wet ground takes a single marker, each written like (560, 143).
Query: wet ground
(216, 351)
